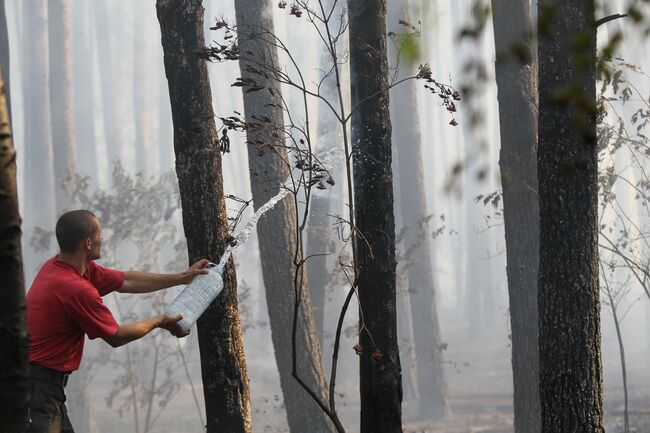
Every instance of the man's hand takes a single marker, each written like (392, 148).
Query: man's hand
(194, 270)
(170, 323)
(146, 282)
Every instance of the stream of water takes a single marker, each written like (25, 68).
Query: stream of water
(198, 295)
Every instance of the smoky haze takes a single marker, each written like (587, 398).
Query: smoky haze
(89, 99)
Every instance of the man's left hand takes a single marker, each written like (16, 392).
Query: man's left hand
(196, 269)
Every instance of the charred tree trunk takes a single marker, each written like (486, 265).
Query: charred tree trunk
(165, 131)
(517, 92)
(14, 378)
(381, 386)
(278, 230)
(198, 167)
(569, 303)
(413, 203)
(63, 139)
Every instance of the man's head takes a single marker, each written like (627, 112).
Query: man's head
(79, 231)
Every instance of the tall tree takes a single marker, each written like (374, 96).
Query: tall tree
(380, 381)
(516, 76)
(143, 154)
(83, 72)
(4, 53)
(569, 305)
(278, 230)
(108, 87)
(62, 124)
(320, 242)
(428, 347)
(39, 206)
(14, 375)
(199, 171)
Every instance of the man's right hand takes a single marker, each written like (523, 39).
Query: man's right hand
(170, 323)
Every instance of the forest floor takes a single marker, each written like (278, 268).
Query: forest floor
(479, 378)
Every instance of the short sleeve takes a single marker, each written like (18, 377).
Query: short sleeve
(104, 279)
(87, 309)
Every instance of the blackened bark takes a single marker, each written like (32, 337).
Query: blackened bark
(198, 167)
(569, 304)
(277, 230)
(164, 144)
(516, 75)
(380, 373)
(14, 379)
(63, 139)
(433, 403)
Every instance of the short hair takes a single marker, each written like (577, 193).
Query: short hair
(73, 227)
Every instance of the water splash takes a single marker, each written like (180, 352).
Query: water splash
(198, 295)
(327, 159)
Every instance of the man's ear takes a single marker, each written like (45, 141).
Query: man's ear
(88, 244)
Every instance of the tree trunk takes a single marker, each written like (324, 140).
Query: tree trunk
(14, 376)
(198, 167)
(143, 153)
(165, 131)
(4, 55)
(380, 387)
(569, 304)
(429, 359)
(84, 98)
(278, 231)
(320, 241)
(39, 207)
(108, 87)
(517, 92)
(63, 139)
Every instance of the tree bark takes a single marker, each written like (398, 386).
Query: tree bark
(165, 131)
(569, 303)
(63, 137)
(516, 75)
(278, 230)
(380, 387)
(14, 370)
(433, 403)
(199, 171)
(4, 55)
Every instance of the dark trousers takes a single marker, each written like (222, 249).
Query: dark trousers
(47, 410)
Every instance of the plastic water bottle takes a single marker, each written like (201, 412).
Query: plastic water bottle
(196, 297)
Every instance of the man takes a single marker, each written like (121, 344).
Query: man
(64, 304)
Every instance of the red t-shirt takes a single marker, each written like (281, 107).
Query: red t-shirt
(62, 306)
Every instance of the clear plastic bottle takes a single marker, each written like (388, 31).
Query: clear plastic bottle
(197, 296)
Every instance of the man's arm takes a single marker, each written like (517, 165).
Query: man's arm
(136, 330)
(146, 282)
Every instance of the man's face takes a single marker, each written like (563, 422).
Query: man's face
(96, 242)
